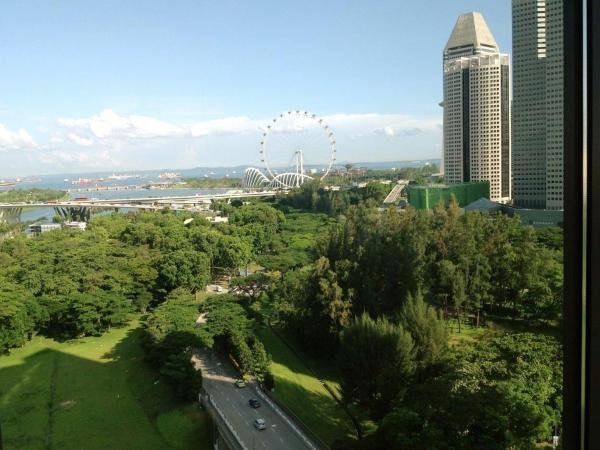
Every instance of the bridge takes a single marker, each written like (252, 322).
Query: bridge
(397, 192)
(11, 212)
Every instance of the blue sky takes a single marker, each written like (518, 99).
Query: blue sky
(116, 85)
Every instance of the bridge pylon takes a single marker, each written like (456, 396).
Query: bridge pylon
(11, 215)
(75, 213)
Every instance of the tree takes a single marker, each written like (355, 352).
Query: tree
(427, 330)
(15, 324)
(183, 268)
(90, 314)
(501, 393)
(232, 252)
(252, 286)
(452, 287)
(314, 306)
(180, 373)
(269, 380)
(376, 359)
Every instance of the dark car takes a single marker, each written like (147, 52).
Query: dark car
(254, 403)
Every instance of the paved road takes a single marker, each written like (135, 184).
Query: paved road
(218, 381)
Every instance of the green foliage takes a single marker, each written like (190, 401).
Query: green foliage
(259, 222)
(32, 195)
(470, 266)
(182, 375)
(170, 339)
(212, 183)
(501, 393)
(15, 323)
(314, 197)
(183, 268)
(427, 329)
(269, 380)
(70, 283)
(376, 359)
(91, 314)
(380, 258)
(313, 305)
(252, 286)
(294, 245)
(177, 314)
(232, 252)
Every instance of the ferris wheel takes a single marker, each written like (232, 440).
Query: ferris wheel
(294, 140)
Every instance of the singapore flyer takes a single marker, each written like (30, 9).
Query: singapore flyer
(297, 146)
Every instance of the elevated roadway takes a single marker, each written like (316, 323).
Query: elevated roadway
(231, 405)
(180, 202)
(396, 193)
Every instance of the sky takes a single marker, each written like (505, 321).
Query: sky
(127, 84)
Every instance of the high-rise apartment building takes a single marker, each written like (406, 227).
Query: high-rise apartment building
(477, 138)
(537, 124)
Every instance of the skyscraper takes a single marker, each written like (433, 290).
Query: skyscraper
(538, 103)
(477, 108)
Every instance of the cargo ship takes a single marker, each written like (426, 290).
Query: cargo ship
(169, 176)
(115, 177)
(83, 182)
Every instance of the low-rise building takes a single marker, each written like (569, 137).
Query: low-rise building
(75, 225)
(533, 217)
(39, 228)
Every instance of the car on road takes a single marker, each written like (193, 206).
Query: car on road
(260, 424)
(240, 383)
(254, 403)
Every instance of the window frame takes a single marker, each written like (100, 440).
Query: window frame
(581, 310)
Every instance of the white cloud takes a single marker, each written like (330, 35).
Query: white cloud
(390, 125)
(72, 158)
(15, 140)
(108, 124)
(80, 140)
(228, 125)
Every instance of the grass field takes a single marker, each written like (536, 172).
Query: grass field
(303, 393)
(92, 393)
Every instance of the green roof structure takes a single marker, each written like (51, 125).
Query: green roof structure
(428, 196)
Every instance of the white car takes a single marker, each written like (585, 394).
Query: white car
(260, 424)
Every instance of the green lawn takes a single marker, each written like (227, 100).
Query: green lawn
(496, 325)
(92, 393)
(303, 393)
(468, 332)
